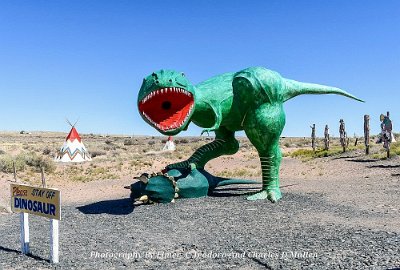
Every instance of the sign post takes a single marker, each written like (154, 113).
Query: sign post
(24, 220)
(54, 258)
(39, 201)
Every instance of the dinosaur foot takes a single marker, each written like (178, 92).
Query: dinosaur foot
(271, 195)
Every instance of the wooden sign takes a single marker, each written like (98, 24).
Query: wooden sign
(39, 201)
(45, 202)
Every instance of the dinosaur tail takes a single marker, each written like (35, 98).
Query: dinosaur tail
(295, 88)
(225, 181)
(215, 181)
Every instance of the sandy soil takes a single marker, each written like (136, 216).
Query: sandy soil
(345, 208)
(349, 179)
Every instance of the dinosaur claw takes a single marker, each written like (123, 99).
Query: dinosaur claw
(272, 195)
(192, 166)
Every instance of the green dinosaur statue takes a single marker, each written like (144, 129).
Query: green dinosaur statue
(179, 183)
(250, 100)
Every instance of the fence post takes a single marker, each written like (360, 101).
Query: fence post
(43, 178)
(366, 133)
(313, 137)
(15, 171)
(326, 135)
(388, 138)
(343, 135)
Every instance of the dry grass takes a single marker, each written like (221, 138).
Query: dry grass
(116, 157)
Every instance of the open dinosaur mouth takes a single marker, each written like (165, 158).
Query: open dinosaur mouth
(167, 108)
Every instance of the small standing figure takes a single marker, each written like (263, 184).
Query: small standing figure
(386, 135)
(343, 135)
(326, 135)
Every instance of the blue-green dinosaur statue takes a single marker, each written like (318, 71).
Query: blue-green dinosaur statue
(250, 100)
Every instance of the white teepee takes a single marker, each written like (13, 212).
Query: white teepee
(169, 145)
(73, 149)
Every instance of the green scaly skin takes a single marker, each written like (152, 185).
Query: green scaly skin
(250, 100)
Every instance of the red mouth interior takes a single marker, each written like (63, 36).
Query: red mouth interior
(167, 108)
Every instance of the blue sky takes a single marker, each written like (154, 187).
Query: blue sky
(87, 59)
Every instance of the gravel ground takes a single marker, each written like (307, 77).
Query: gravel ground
(221, 232)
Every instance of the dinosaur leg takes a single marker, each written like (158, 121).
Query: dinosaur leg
(224, 144)
(263, 127)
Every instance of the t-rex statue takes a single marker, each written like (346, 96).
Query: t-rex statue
(250, 100)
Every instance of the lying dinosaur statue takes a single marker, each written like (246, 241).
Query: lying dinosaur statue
(179, 183)
(250, 100)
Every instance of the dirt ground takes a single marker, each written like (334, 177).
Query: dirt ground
(350, 179)
(344, 208)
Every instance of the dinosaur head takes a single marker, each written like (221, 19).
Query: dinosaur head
(166, 101)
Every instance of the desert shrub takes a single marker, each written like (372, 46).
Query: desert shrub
(23, 160)
(38, 162)
(309, 153)
(108, 141)
(46, 151)
(97, 153)
(109, 147)
(129, 142)
(182, 141)
(287, 144)
(395, 148)
(115, 153)
(2, 152)
(151, 142)
(6, 164)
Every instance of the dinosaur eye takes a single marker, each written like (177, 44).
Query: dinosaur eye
(170, 80)
(183, 74)
(157, 82)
